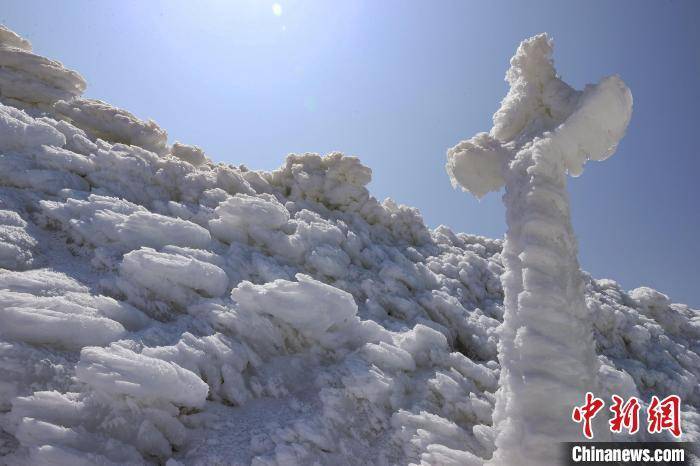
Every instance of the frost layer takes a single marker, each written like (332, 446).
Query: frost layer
(543, 130)
(156, 305)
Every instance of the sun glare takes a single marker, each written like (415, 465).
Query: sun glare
(277, 9)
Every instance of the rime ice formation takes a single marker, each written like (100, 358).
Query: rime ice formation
(543, 130)
(32, 79)
(159, 308)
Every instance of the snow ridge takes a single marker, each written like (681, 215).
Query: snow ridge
(156, 306)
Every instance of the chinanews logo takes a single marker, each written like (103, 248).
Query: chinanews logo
(629, 416)
(661, 415)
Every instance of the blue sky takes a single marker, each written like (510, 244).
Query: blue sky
(397, 83)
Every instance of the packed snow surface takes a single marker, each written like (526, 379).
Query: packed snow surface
(157, 307)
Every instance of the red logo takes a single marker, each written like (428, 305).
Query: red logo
(664, 415)
(661, 414)
(587, 412)
(625, 414)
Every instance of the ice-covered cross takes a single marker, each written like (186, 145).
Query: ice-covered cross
(543, 130)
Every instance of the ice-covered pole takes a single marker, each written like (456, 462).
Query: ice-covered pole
(543, 130)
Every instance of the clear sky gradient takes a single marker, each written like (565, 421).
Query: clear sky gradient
(397, 83)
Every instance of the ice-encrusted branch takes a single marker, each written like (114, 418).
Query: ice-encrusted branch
(543, 130)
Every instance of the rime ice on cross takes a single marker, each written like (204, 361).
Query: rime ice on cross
(543, 130)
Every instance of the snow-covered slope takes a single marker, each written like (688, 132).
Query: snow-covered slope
(157, 306)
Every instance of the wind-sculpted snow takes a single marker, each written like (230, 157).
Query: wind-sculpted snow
(112, 124)
(29, 78)
(156, 305)
(120, 371)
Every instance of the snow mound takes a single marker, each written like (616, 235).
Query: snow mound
(156, 305)
(30, 78)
